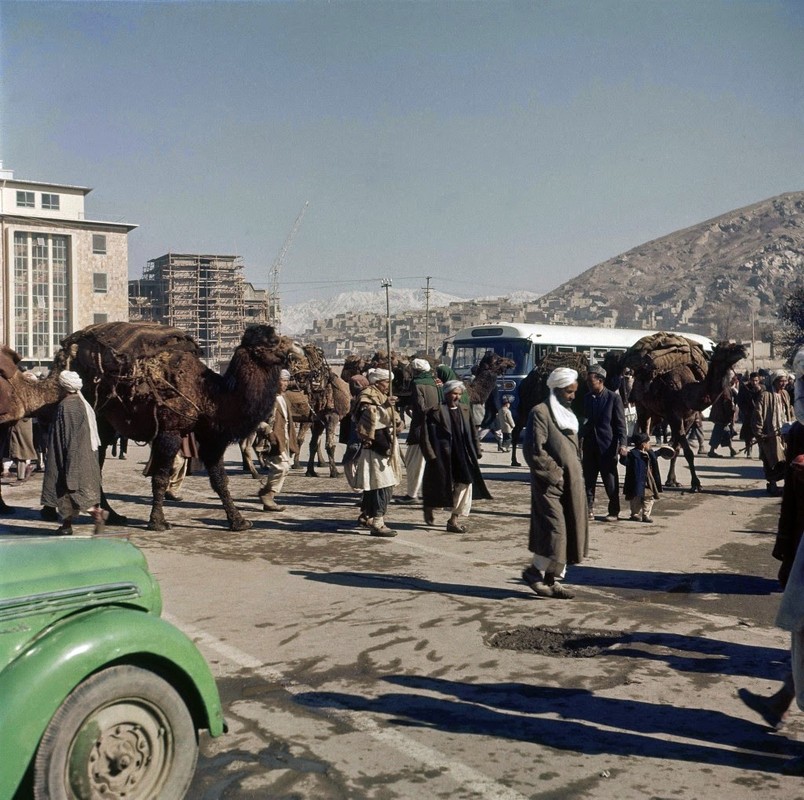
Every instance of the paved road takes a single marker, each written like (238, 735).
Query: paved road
(355, 667)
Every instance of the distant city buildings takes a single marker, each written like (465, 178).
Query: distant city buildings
(60, 271)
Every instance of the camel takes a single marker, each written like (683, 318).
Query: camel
(319, 401)
(533, 390)
(672, 380)
(20, 398)
(147, 381)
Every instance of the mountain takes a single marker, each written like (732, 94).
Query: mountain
(711, 278)
(298, 318)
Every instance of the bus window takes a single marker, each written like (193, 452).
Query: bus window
(467, 354)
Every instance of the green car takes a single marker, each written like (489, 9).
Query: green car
(99, 696)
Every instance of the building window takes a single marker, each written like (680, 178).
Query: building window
(50, 201)
(25, 200)
(99, 244)
(41, 279)
(100, 282)
(97, 319)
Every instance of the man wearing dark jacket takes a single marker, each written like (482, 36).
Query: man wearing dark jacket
(604, 439)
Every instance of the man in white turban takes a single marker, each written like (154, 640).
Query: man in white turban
(72, 479)
(772, 418)
(425, 395)
(559, 527)
(282, 446)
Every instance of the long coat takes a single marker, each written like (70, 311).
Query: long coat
(559, 527)
(423, 398)
(605, 423)
(437, 443)
(71, 467)
(280, 442)
(772, 411)
(636, 473)
(375, 470)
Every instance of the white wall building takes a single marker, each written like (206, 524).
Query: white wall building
(58, 270)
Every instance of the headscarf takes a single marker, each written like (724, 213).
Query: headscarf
(72, 382)
(378, 374)
(420, 365)
(454, 385)
(284, 375)
(561, 377)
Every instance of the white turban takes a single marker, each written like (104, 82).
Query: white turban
(71, 381)
(420, 365)
(561, 377)
(453, 386)
(375, 375)
(284, 375)
(776, 374)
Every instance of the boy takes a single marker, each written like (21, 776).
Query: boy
(506, 422)
(643, 483)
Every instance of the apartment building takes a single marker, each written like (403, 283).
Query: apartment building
(59, 271)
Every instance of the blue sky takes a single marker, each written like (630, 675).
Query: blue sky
(490, 145)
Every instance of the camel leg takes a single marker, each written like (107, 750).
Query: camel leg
(695, 483)
(163, 451)
(212, 456)
(315, 435)
(300, 437)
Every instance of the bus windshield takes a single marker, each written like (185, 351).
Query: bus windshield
(467, 354)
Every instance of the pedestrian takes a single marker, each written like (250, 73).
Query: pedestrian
(282, 447)
(120, 443)
(559, 526)
(452, 451)
(772, 418)
(506, 421)
(643, 482)
(604, 437)
(72, 481)
(181, 467)
(695, 432)
(747, 400)
(426, 395)
(722, 416)
(376, 469)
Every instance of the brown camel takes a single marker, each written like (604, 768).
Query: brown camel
(672, 380)
(147, 382)
(533, 390)
(20, 398)
(485, 374)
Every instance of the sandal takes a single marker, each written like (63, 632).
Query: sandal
(100, 515)
(454, 528)
(363, 521)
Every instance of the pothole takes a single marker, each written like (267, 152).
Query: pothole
(559, 643)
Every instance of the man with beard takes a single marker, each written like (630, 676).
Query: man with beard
(559, 526)
(771, 420)
(747, 399)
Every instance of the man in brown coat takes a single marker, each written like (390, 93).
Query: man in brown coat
(559, 525)
(774, 413)
(283, 445)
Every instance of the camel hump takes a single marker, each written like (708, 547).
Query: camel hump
(660, 353)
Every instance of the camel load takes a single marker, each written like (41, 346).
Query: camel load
(662, 354)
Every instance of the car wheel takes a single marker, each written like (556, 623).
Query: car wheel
(123, 733)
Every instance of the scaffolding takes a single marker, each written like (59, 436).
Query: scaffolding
(200, 294)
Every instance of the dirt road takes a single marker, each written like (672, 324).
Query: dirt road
(357, 667)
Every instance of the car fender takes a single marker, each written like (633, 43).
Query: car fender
(36, 683)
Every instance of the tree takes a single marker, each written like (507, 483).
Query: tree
(792, 316)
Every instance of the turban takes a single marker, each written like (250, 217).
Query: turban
(596, 369)
(453, 386)
(561, 377)
(777, 374)
(375, 375)
(71, 381)
(420, 365)
(284, 375)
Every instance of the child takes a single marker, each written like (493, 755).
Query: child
(506, 421)
(643, 483)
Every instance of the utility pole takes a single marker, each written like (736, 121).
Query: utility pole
(427, 316)
(753, 342)
(386, 284)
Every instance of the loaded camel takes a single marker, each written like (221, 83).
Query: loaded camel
(21, 398)
(672, 380)
(147, 381)
(319, 401)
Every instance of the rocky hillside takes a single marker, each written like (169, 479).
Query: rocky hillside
(707, 278)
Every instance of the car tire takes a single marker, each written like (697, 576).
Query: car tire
(123, 732)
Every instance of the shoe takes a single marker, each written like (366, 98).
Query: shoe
(634, 518)
(29, 470)
(732, 452)
(535, 580)
(560, 592)
(122, 456)
(270, 505)
(591, 515)
(100, 515)
(763, 707)
(385, 532)
(713, 454)
(649, 520)
(64, 530)
(773, 490)
(429, 517)
(364, 522)
(612, 518)
(454, 528)
(176, 498)
(406, 499)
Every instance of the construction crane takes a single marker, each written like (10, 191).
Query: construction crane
(276, 268)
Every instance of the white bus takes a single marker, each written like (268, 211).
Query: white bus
(528, 344)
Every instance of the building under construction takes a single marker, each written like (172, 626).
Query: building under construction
(204, 295)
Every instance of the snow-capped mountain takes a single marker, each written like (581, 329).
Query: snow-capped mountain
(297, 319)
(519, 296)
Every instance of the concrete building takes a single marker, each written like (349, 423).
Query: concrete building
(59, 271)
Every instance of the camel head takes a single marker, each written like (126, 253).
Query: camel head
(268, 348)
(721, 367)
(493, 363)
